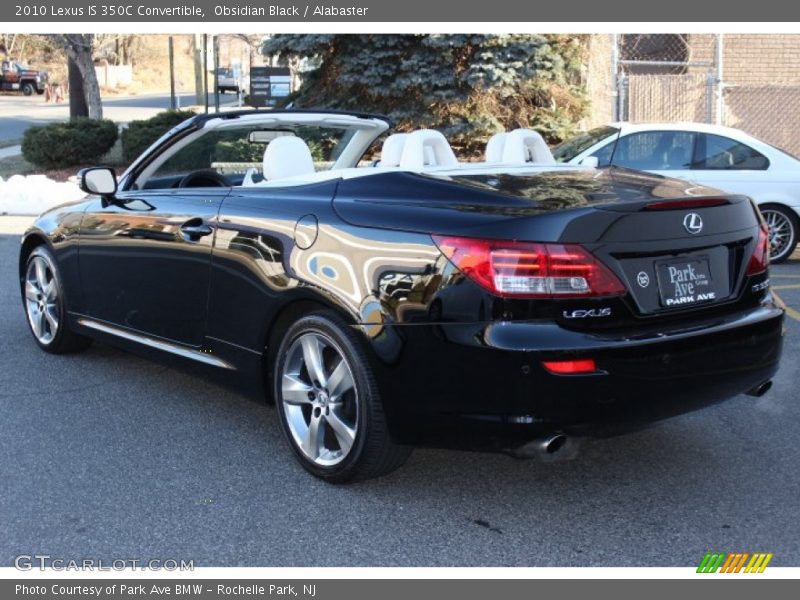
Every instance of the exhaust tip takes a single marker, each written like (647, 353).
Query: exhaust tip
(554, 447)
(554, 443)
(760, 389)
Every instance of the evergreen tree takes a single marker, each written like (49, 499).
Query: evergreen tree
(467, 86)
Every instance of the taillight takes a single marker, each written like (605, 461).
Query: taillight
(759, 262)
(530, 270)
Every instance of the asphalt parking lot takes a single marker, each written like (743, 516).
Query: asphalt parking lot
(106, 455)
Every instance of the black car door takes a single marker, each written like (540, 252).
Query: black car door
(144, 261)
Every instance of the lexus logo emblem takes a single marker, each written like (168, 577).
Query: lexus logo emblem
(693, 223)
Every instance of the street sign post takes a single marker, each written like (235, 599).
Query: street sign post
(268, 85)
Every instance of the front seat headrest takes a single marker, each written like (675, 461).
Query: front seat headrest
(287, 156)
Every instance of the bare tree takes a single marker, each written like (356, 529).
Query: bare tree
(8, 43)
(22, 46)
(80, 49)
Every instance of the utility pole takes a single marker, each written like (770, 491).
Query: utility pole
(172, 103)
(215, 46)
(205, 69)
(198, 69)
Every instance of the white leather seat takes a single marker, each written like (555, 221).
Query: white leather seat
(287, 156)
(392, 150)
(524, 146)
(427, 148)
(494, 147)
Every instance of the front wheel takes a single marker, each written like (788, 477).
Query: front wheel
(45, 305)
(28, 88)
(782, 223)
(329, 405)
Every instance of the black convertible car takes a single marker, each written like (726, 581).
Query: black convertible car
(513, 304)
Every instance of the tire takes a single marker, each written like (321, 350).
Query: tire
(28, 88)
(337, 398)
(44, 303)
(783, 227)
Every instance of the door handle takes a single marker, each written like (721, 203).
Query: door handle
(195, 229)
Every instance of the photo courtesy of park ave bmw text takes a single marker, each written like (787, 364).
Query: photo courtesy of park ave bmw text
(507, 291)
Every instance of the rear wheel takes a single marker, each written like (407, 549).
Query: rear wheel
(45, 306)
(783, 228)
(329, 405)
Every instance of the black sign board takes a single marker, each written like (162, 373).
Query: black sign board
(268, 85)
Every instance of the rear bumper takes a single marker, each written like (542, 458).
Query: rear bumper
(483, 386)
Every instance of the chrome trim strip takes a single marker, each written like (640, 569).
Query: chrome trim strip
(240, 347)
(157, 344)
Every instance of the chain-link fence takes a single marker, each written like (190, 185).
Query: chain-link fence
(747, 81)
(659, 98)
(665, 77)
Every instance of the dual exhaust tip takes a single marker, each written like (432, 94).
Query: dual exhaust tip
(760, 389)
(557, 446)
(550, 448)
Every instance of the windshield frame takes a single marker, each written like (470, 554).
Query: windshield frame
(358, 134)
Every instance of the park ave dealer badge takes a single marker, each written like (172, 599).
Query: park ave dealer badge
(685, 282)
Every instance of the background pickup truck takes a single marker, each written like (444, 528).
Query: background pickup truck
(17, 77)
(229, 79)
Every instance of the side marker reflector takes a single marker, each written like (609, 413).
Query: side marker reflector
(571, 367)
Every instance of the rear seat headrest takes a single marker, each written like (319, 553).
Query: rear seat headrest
(287, 156)
(518, 147)
(494, 147)
(392, 150)
(427, 148)
(526, 146)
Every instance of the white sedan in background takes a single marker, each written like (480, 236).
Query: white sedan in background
(720, 157)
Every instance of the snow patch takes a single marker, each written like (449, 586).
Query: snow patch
(34, 194)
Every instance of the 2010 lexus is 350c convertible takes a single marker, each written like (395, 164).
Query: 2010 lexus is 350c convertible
(513, 304)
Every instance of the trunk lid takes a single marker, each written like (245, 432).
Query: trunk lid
(670, 251)
(560, 204)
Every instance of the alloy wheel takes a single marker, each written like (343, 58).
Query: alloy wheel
(320, 399)
(41, 300)
(781, 232)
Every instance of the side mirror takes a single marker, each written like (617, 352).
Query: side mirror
(590, 161)
(99, 180)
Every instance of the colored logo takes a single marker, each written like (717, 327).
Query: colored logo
(734, 562)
